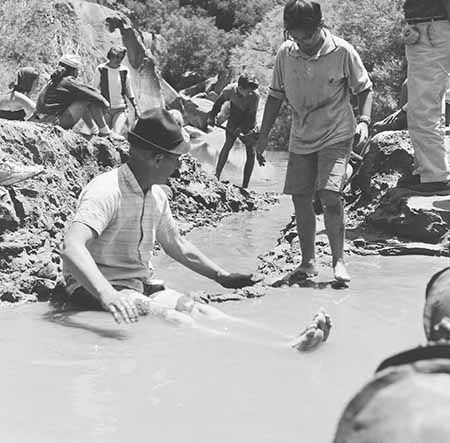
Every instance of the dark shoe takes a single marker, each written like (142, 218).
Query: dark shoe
(432, 188)
(408, 181)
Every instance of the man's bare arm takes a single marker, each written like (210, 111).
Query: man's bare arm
(79, 262)
(184, 252)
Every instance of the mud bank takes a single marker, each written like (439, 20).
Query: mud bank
(34, 214)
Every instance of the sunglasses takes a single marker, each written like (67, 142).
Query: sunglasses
(306, 35)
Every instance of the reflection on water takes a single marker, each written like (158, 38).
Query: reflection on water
(71, 377)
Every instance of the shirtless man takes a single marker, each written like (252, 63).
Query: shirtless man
(107, 249)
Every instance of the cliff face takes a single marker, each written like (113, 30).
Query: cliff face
(35, 213)
(38, 32)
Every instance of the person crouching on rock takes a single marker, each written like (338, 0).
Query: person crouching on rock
(65, 100)
(113, 80)
(17, 105)
(121, 214)
(315, 72)
(244, 99)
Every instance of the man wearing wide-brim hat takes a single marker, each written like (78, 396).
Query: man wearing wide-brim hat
(121, 214)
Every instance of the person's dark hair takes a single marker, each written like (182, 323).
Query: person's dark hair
(116, 51)
(247, 82)
(433, 281)
(61, 72)
(25, 80)
(302, 14)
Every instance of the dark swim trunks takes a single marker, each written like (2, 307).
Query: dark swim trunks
(13, 115)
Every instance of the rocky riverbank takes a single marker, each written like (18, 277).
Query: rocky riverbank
(381, 219)
(34, 214)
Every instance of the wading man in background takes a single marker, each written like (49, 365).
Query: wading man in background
(244, 99)
(315, 72)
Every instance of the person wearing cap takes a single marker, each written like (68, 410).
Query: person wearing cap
(65, 100)
(243, 98)
(408, 399)
(113, 80)
(120, 215)
(315, 72)
(17, 105)
(427, 49)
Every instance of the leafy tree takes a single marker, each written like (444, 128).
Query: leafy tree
(195, 44)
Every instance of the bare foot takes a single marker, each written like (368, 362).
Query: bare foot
(340, 272)
(316, 333)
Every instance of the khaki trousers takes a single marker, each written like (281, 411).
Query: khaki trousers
(428, 68)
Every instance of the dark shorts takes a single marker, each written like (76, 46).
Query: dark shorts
(13, 115)
(321, 170)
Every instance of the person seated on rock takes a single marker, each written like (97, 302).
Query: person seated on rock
(122, 213)
(323, 125)
(408, 399)
(65, 100)
(244, 98)
(113, 80)
(16, 104)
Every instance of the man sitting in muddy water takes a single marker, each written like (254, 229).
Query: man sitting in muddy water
(120, 214)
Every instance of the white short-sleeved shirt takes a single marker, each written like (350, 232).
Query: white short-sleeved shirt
(127, 223)
(114, 85)
(317, 89)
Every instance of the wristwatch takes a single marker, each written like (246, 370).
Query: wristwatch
(364, 119)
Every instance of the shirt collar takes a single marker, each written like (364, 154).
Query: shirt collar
(328, 46)
(130, 179)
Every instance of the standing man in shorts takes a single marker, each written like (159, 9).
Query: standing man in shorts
(112, 79)
(315, 72)
(244, 99)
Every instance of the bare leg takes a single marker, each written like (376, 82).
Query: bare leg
(223, 156)
(249, 165)
(306, 228)
(70, 117)
(333, 210)
(98, 115)
(118, 122)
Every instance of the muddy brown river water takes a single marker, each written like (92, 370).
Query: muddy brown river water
(80, 378)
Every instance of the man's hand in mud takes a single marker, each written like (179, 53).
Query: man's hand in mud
(237, 280)
(362, 133)
(260, 159)
(261, 143)
(121, 305)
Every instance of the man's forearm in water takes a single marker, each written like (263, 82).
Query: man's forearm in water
(184, 252)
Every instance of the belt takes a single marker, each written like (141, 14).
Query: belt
(414, 21)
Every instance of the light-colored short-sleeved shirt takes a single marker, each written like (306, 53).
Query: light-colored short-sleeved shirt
(113, 87)
(317, 89)
(127, 223)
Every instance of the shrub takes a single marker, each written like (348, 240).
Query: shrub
(195, 44)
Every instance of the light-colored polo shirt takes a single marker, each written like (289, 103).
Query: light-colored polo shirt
(127, 223)
(317, 89)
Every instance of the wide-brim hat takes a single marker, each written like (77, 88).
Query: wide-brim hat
(157, 129)
(71, 60)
